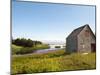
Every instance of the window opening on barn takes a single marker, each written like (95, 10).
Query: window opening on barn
(83, 46)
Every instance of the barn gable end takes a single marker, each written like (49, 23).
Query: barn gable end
(80, 40)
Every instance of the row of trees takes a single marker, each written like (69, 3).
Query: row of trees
(25, 42)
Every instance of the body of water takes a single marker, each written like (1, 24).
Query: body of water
(47, 50)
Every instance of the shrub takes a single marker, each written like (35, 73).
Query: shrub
(57, 47)
(25, 42)
(15, 49)
(25, 50)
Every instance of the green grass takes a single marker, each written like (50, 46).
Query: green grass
(15, 49)
(52, 61)
(42, 46)
(26, 50)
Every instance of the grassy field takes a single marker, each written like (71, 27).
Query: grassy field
(15, 49)
(52, 61)
(24, 50)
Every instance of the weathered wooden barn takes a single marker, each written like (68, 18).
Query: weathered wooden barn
(81, 40)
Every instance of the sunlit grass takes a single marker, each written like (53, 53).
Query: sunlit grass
(52, 61)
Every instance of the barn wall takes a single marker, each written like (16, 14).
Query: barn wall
(93, 39)
(71, 44)
(82, 41)
(85, 38)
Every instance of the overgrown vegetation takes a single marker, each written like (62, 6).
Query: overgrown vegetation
(25, 46)
(25, 42)
(57, 47)
(52, 61)
(15, 49)
(26, 50)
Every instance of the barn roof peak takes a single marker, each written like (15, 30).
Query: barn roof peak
(76, 31)
(86, 25)
(82, 26)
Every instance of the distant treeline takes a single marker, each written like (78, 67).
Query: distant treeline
(25, 42)
(25, 46)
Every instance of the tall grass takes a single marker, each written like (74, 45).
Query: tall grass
(15, 49)
(53, 61)
(26, 50)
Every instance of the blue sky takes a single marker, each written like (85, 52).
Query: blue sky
(44, 21)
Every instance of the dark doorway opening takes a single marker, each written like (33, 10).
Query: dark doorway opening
(93, 47)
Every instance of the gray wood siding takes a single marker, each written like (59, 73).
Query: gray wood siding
(85, 38)
(71, 44)
(81, 40)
